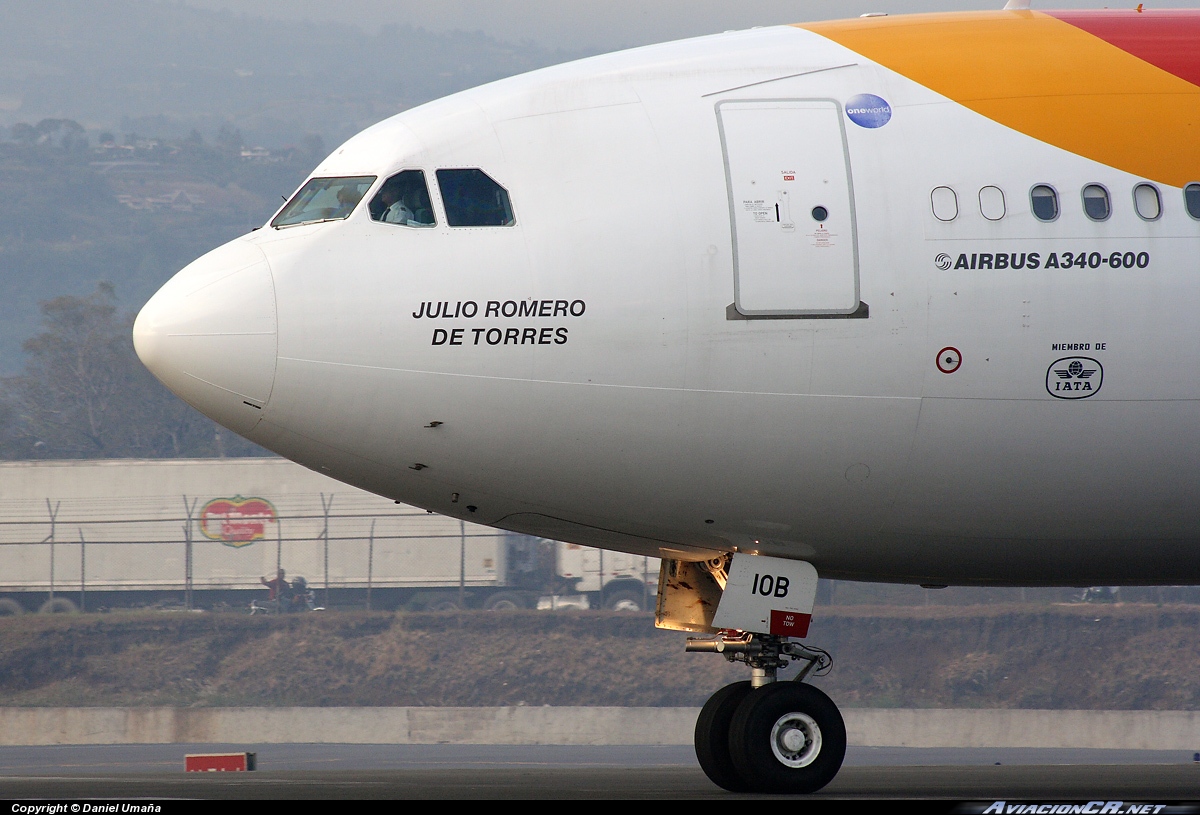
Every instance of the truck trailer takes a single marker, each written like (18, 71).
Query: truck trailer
(206, 533)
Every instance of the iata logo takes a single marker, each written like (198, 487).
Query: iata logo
(1074, 378)
(236, 521)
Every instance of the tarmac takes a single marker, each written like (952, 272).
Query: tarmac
(517, 753)
(505, 772)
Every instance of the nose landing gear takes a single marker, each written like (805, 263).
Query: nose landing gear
(761, 735)
(769, 736)
(787, 737)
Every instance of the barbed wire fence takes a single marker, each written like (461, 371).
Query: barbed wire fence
(167, 559)
(145, 552)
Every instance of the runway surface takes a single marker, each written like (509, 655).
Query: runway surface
(338, 772)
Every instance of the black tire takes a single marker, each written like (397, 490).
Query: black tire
(787, 737)
(10, 608)
(625, 599)
(59, 605)
(712, 737)
(504, 601)
(443, 604)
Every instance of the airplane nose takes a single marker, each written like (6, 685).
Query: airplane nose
(210, 334)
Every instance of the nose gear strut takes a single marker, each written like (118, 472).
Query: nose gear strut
(765, 653)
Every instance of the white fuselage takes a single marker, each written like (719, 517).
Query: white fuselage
(627, 367)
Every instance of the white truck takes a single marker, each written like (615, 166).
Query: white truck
(205, 533)
(614, 580)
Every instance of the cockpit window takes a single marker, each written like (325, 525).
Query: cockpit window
(472, 198)
(403, 199)
(324, 199)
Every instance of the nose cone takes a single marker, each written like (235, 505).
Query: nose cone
(210, 335)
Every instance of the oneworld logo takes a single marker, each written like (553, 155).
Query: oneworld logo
(868, 110)
(1074, 378)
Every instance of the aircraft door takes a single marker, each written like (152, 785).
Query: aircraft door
(791, 207)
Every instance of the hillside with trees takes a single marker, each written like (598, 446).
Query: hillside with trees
(165, 68)
(134, 137)
(129, 212)
(87, 233)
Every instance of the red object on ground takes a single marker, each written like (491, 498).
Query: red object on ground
(218, 762)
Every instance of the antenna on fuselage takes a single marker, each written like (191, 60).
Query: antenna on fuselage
(1016, 5)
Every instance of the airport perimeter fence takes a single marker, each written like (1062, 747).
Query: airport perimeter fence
(140, 552)
(88, 553)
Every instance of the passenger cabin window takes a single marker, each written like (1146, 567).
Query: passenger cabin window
(1147, 202)
(404, 200)
(472, 198)
(1096, 204)
(945, 203)
(1191, 200)
(324, 199)
(991, 203)
(1043, 200)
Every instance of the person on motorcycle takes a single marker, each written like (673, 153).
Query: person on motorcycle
(301, 597)
(276, 586)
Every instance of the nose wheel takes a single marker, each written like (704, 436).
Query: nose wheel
(712, 737)
(785, 737)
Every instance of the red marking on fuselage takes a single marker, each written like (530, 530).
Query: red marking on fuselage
(1164, 38)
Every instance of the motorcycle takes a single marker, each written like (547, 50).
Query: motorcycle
(297, 597)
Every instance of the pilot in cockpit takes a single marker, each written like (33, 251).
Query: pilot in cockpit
(347, 199)
(394, 211)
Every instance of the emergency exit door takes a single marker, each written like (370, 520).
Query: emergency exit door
(791, 207)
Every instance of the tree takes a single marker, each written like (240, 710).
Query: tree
(24, 134)
(313, 147)
(66, 134)
(85, 394)
(230, 139)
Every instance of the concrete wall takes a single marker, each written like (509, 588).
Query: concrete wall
(1157, 730)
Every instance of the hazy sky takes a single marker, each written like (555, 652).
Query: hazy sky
(604, 24)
